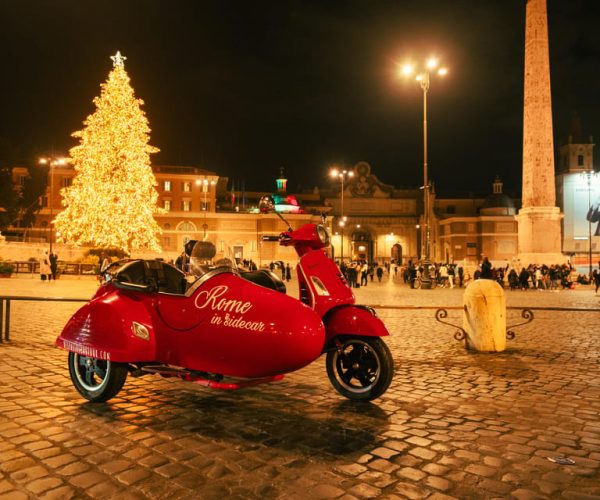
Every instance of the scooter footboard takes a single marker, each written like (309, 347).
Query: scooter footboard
(352, 320)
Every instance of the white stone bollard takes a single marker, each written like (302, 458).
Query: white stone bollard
(484, 316)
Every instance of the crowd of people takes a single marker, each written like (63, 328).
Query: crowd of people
(538, 277)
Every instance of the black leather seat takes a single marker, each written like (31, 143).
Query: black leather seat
(266, 278)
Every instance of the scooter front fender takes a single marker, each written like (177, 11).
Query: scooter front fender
(105, 329)
(352, 320)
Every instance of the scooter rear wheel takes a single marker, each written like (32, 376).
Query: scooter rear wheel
(97, 380)
(361, 369)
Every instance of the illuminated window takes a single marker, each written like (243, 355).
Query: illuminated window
(186, 205)
(167, 186)
(167, 205)
(186, 226)
(66, 182)
(186, 187)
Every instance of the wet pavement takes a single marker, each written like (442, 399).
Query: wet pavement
(453, 424)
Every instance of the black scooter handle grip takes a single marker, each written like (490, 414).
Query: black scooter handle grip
(269, 238)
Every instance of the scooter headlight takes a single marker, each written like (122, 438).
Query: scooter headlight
(323, 235)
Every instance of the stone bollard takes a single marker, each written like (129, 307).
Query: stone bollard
(484, 316)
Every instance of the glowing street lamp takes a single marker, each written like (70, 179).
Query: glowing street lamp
(52, 163)
(423, 76)
(341, 175)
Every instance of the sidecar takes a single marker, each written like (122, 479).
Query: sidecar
(151, 318)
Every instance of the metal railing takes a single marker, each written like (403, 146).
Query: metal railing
(5, 309)
(67, 268)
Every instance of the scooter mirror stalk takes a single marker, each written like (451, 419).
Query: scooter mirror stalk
(267, 205)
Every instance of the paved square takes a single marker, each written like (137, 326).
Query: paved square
(453, 423)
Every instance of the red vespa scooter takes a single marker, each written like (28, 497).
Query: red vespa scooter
(359, 363)
(225, 328)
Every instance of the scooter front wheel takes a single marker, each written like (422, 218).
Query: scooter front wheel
(95, 379)
(361, 368)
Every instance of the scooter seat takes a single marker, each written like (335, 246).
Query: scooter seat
(164, 277)
(266, 278)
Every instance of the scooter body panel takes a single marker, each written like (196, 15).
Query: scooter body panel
(228, 326)
(323, 281)
(114, 325)
(352, 320)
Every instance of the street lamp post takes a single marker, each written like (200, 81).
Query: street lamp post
(52, 163)
(341, 175)
(423, 77)
(205, 183)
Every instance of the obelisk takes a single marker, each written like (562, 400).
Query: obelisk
(539, 218)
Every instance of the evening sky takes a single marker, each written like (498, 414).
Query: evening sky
(243, 88)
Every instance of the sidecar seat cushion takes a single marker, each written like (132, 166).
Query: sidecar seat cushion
(168, 278)
(266, 278)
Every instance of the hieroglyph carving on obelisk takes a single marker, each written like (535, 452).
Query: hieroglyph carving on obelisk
(539, 217)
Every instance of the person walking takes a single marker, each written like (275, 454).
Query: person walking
(288, 272)
(451, 275)
(379, 273)
(364, 271)
(486, 269)
(596, 276)
(461, 274)
(44, 262)
(53, 265)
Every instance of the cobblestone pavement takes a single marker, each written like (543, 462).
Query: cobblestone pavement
(453, 423)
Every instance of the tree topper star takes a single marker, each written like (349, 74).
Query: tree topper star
(118, 59)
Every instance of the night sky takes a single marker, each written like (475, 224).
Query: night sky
(246, 87)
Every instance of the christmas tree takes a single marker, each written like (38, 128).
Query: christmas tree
(112, 200)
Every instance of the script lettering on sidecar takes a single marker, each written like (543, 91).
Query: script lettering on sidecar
(212, 299)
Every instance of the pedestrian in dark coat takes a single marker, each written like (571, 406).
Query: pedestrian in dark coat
(288, 273)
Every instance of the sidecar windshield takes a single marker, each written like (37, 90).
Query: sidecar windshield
(204, 257)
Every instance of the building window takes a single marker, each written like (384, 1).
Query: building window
(167, 186)
(167, 205)
(186, 226)
(580, 160)
(471, 249)
(22, 179)
(186, 205)
(186, 187)
(470, 227)
(66, 182)
(167, 226)
(44, 224)
(450, 209)
(166, 241)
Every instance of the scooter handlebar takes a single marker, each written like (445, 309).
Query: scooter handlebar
(269, 238)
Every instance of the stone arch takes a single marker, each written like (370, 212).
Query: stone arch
(396, 253)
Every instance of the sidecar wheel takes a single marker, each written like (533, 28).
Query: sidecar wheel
(97, 380)
(362, 369)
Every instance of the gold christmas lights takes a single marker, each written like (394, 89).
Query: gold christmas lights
(112, 200)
